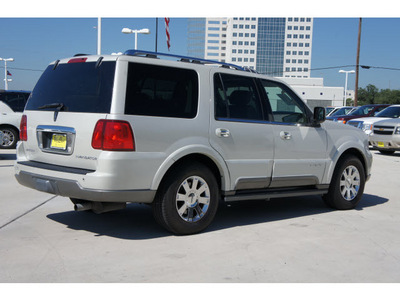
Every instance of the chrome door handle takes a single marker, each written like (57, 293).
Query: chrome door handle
(221, 132)
(285, 135)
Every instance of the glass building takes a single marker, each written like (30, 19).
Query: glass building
(196, 37)
(279, 47)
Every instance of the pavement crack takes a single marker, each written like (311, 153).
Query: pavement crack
(27, 212)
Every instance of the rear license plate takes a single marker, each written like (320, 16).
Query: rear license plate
(381, 144)
(59, 141)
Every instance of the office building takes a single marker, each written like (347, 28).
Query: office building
(278, 47)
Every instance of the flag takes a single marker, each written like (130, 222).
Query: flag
(167, 32)
(8, 73)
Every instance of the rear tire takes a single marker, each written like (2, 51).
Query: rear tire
(187, 200)
(10, 138)
(347, 185)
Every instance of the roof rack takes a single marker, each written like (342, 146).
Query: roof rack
(189, 59)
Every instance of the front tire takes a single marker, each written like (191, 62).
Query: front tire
(347, 185)
(187, 201)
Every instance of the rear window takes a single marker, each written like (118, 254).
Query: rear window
(161, 91)
(15, 100)
(80, 87)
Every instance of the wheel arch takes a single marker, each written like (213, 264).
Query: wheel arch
(350, 151)
(6, 125)
(216, 165)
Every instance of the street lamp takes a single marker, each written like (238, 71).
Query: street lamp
(345, 86)
(136, 31)
(6, 80)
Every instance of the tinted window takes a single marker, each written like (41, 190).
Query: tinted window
(286, 107)
(361, 111)
(15, 100)
(161, 91)
(390, 112)
(342, 111)
(379, 109)
(236, 97)
(81, 87)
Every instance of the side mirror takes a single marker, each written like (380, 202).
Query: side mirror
(319, 115)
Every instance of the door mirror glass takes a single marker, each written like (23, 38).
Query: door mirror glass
(319, 115)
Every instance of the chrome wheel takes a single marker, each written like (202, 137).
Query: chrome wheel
(350, 183)
(9, 138)
(193, 199)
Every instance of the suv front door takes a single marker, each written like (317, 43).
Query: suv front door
(300, 153)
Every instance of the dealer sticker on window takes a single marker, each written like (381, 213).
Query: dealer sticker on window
(59, 141)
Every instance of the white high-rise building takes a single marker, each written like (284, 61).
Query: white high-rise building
(278, 47)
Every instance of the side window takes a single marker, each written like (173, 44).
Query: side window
(161, 91)
(285, 106)
(379, 109)
(236, 97)
(16, 101)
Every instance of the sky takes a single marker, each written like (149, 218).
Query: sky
(35, 39)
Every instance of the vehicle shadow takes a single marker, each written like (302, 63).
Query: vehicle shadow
(8, 156)
(136, 222)
(396, 154)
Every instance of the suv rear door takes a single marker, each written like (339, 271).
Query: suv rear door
(61, 114)
(238, 131)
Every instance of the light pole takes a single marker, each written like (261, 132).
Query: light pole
(6, 80)
(136, 31)
(98, 36)
(345, 85)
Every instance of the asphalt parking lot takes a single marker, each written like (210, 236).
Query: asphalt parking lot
(284, 240)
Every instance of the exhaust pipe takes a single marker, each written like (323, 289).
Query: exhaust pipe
(82, 206)
(99, 207)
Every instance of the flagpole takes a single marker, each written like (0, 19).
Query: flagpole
(5, 71)
(156, 33)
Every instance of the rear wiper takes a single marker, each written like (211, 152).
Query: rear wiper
(58, 107)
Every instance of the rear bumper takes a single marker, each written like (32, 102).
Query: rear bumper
(72, 189)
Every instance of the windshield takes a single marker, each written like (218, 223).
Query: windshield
(74, 87)
(342, 111)
(390, 112)
(362, 111)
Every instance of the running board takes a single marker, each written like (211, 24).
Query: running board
(266, 194)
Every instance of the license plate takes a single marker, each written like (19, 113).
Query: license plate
(381, 144)
(59, 141)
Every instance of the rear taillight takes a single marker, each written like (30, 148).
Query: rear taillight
(113, 135)
(23, 132)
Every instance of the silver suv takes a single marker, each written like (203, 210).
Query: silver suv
(181, 136)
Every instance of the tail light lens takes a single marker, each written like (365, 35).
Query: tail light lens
(23, 132)
(113, 135)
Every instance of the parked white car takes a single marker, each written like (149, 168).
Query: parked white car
(181, 136)
(12, 104)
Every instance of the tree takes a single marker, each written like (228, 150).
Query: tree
(372, 95)
(372, 92)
